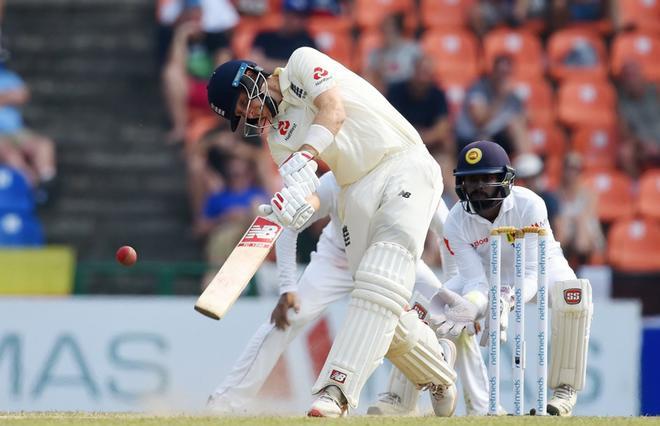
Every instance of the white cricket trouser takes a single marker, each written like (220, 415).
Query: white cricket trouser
(325, 280)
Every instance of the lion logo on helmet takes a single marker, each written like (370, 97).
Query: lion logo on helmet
(473, 156)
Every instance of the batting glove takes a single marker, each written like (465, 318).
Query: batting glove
(300, 169)
(451, 313)
(289, 207)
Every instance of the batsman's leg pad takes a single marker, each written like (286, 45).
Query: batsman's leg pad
(382, 289)
(572, 310)
(416, 352)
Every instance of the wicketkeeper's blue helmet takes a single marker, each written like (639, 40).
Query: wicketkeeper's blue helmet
(483, 158)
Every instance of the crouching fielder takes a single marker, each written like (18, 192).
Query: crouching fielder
(325, 280)
(390, 189)
(484, 180)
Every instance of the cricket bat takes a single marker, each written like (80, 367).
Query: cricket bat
(241, 265)
(239, 268)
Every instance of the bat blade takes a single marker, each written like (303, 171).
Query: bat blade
(239, 268)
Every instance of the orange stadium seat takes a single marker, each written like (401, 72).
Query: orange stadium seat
(455, 93)
(456, 54)
(553, 170)
(583, 103)
(597, 146)
(634, 245)
(615, 194)
(445, 14)
(337, 44)
(368, 41)
(641, 15)
(524, 48)
(369, 14)
(649, 194)
(248, 28)
(641, 48)
(538, 98)
(563, 41)
(547, 139)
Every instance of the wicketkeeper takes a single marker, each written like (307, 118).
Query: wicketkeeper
(484, 184)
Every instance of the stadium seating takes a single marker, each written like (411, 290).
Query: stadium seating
(649, 194)
(523, 47)
(634, 245)
(15, 192)
(641, 15)
(368, 41)
(456, 54)
(597, 146)
(639, 47)
(538, 97)
(563, 42)
(369, 14)
(547, 139)
(455, 93)
(445, 14)
(334, 41)
(248, 28)
(615, 194)
(583, 103)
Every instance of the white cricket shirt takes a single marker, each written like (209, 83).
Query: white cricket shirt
(373, 127)
(466, 238)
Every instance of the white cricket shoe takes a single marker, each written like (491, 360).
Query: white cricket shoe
(330, 403)
(389, 404)
(443, 398)
(563, 401)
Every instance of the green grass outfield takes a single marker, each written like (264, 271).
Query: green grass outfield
(47, 419)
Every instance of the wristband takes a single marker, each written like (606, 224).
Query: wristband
(319, 137)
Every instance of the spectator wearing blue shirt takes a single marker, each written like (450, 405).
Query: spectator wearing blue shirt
(21, 148)
(229, 209)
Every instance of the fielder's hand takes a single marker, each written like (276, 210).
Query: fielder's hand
(300, 170)
(289, 207)
(456, 314)
(279, 317)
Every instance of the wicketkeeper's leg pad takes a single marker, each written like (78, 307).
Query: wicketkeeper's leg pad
(383, 282)
(572, 310)
(416, 352)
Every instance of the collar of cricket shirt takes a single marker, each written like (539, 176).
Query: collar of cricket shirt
(285, 85)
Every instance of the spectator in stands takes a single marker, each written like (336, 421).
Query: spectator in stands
(20, 147)
(271, 49)
(639, 113)
(231, 207)
(492, 110)
(201, 41)
(529, 173)
(168, 14)
(394, 62)
(567, 12)
(577, 226)
(424, 105)
(488, 14)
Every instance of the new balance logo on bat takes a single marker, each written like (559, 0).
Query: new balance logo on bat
(261, 234)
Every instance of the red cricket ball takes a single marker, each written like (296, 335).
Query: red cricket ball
(126, 255)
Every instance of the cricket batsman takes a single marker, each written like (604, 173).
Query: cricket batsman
(484, 184)
(325, 280)
(390, 188)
